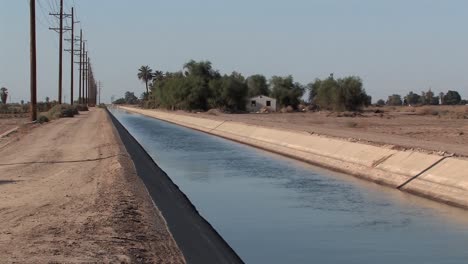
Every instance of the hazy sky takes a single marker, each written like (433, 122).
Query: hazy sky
(394, 45)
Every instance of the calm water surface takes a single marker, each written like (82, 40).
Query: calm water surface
(272, 209)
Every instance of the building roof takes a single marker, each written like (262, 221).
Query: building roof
(263, 96)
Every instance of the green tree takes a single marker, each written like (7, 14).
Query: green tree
(412, 98)
(452, 98)
(313, 88)
(4, 95)
(119, 101)
(286, 91)
(326, 93)
(158, 75)
(234, 92)
(130, 98)
(341, 94)
(257, 85)
(394, 100)
(202, 69)
(351, 94)
(431, 99)
(380, 102)
(145, 74)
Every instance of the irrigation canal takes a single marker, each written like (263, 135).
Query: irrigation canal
(272, 209)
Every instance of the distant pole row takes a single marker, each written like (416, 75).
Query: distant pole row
(87, 91)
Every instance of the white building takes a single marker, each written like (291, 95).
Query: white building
(258, 102)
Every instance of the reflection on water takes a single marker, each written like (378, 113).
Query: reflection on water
(276, 210)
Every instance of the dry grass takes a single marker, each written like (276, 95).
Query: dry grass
(442, 111)
(351, 124)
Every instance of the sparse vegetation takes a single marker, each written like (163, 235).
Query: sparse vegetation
(82, 107)
(61, 111)
(351, 124)
(42, 119)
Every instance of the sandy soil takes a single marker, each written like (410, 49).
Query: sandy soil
(10, 123)
(69, 193)
(401, 129)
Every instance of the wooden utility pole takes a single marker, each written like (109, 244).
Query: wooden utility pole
(100, 89)
(32, 18)
(72, 55)
(86, 72)
(60, 30)
(88, 80)
(83, 66)
(80, 99)
(60, 53)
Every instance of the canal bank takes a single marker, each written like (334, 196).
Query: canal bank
(444, 179)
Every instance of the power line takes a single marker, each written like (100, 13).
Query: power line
(60, 30)
(44, 15)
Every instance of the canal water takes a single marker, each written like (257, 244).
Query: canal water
(272, 209)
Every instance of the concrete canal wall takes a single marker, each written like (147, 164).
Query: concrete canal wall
(444, 179)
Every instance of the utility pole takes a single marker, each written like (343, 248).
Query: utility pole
(60, 31)
(88, 75)
(60, 52)
(100, 89)
(32, 18)
(86, 72)
(72, 54)
(81, 66)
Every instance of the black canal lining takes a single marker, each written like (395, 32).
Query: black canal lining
(196, 238)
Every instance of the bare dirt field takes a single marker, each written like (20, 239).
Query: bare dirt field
(434, 129)
(69, 193)
(10, 122)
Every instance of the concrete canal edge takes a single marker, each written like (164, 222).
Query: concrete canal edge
(196, 238)
(444, 179)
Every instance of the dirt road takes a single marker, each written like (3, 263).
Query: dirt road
(69, 193)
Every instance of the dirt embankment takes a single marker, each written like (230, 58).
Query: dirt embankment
(70, 193)
(401, 127)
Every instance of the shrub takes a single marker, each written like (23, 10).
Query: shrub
(104, 106)
(380, 102)
(288, 109)
(63, 110)
(43, 119)
(351, 124)
(149, 104)
(82, 107)
(213, 111)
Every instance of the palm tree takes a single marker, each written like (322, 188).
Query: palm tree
(145, 74)
(158, 75)
(4, 94)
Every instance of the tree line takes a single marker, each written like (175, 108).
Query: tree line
(425, 98)
(198, 86)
